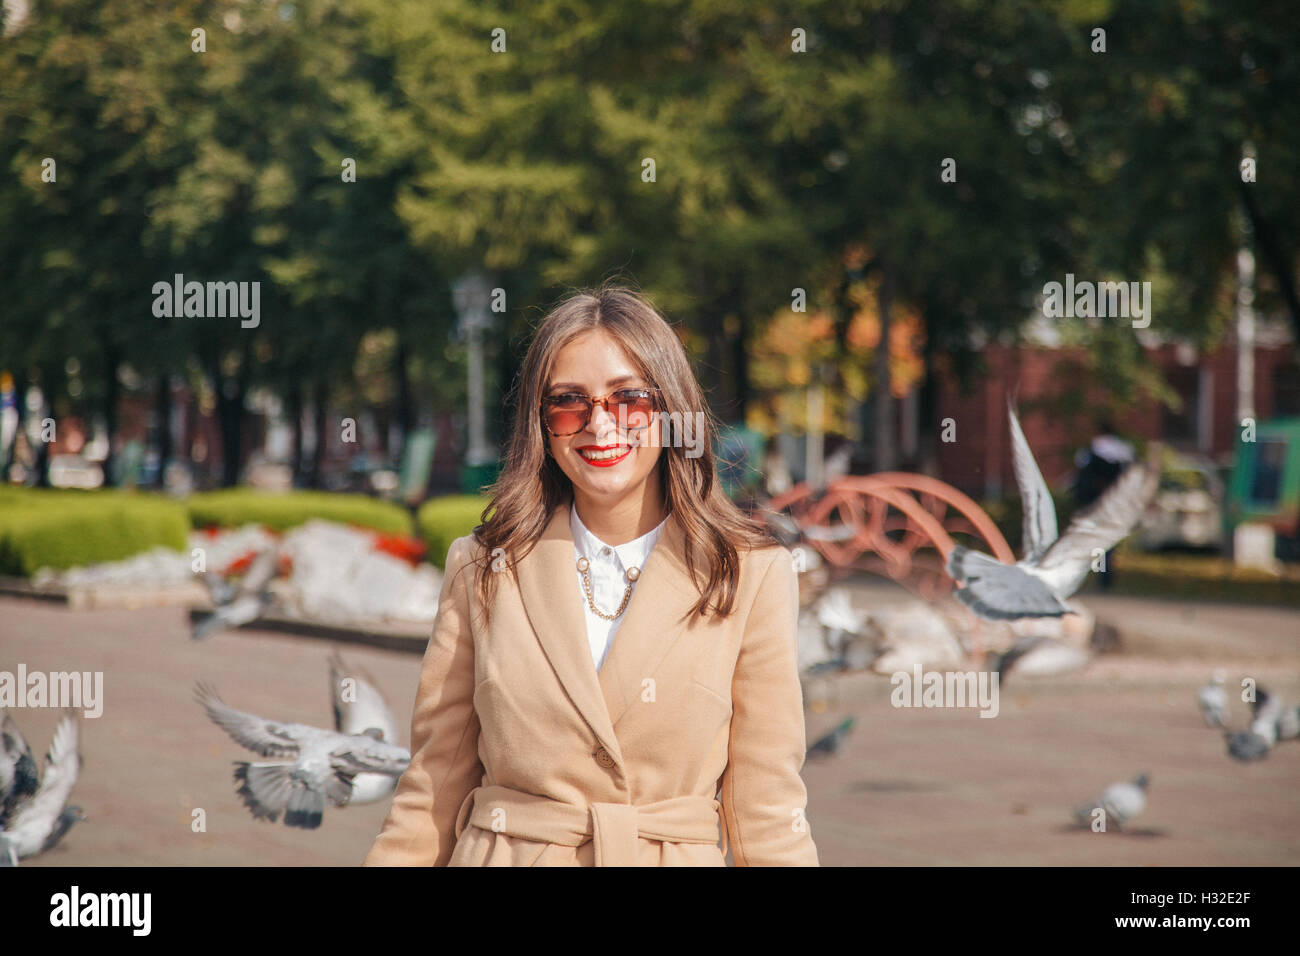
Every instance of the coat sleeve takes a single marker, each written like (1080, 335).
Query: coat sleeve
(764, 800)
(445, 767)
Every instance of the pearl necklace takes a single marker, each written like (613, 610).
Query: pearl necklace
(631, 574)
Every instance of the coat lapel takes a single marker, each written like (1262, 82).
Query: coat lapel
(652, 622)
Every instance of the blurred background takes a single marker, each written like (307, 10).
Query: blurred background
(849, 211)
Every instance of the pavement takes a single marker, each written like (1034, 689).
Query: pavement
(910, 787)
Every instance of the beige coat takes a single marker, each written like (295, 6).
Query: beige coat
(522, 755)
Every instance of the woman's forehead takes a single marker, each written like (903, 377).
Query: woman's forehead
(594, 360)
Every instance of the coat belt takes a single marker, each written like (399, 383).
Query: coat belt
(613, 828)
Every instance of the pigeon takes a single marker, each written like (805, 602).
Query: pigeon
(1288, 723)
(318, 764)
(242, 605)
(1255, 742)
(832, 742)
(845, 631)
(1052, 568)
(789, 531)
(1213, 701)
(19, 774)
(1121, 802)
(41, 821)
(220, 590)
(358, 708)
(1037, 656)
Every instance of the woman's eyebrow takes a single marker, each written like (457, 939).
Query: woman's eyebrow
(578, 386)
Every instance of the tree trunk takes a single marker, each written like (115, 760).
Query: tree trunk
(294, 401)
(1277, 259)
(405, 405)
(885, 450)
(320, 403)
(740, 366)
(112, 394)
(163, 413)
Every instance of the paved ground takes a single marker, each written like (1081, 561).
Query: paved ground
(911, 787)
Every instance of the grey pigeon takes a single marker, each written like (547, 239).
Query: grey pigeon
(832, 742)
(1121, 802)
(1052, 568)
(1288, 723)
(19, 774)
(1213, 701)
(1255, 742)
(319, 765)
(846, 633)
(358, 708)
(39, 822)
(244, 604)
(1037, 655)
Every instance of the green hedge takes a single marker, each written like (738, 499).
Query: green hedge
(440, 521)
(1198, 577)
(280, 512)
(62, 529)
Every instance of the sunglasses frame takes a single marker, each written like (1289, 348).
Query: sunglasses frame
(603, 402)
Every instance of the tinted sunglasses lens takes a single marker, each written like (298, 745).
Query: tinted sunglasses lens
(634, 407)
(567, 415)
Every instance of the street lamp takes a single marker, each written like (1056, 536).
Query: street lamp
(471, 295)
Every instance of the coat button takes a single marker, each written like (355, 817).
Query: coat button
(603, 758)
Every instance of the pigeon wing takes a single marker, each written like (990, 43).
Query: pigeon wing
(369, 709)
(62, 764)
(1000, 592)
(358, 754)
(1098, 528)
(1035, 500)
(19, 774)
(265, 737)
(261, 571)
(265, 788)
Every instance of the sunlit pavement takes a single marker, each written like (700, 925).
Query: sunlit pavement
(911, 786)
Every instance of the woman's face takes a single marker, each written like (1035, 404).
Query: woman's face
(594, 364)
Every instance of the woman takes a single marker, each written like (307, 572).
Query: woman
(615, 642)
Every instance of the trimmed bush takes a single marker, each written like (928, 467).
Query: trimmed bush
(280, 512)
(57, 529)
(440, 521)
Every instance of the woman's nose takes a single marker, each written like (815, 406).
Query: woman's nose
(602, 421)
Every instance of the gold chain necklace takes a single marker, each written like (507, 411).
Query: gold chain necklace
(631, 574)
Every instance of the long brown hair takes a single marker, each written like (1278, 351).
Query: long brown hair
(532, 484)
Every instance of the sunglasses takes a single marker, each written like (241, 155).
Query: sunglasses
(569, 413)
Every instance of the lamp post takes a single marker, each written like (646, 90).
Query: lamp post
(471, 295)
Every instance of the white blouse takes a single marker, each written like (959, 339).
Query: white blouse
(608, 565)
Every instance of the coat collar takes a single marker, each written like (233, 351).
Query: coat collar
(653, 622)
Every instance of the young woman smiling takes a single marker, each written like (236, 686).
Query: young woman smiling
(611, 679)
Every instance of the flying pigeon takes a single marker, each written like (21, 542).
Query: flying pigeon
(789, 531)
(832, 742)
(1258, 740)
(1052, 568)
(358, 708)
(39, 822)
(244, 604)
(318, 764)
(1121, 802)
(1037, 656)
(19, 774)
(846, 633)
(1213, 701)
